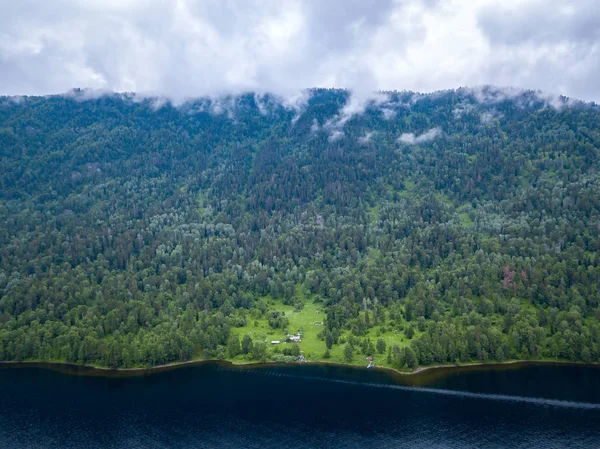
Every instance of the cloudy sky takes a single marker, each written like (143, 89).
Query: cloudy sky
(185, 48)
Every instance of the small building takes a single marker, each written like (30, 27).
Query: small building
(275, 342)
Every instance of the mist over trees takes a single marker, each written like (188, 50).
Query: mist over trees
(134, 233)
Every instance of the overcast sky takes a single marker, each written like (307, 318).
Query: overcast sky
(185, 48)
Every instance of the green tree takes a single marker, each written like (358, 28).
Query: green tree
(348, 352)
(247, 344)
(259, 351)
(411, 358)
(328, 340)
(233, 346)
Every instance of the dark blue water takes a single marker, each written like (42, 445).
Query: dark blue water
(301, 407)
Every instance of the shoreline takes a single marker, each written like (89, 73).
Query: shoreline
(419, 375)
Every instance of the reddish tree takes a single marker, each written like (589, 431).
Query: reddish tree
(509, 277)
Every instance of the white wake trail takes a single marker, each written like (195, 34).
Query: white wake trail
(456, 393)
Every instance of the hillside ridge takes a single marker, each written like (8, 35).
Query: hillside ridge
(418, 229)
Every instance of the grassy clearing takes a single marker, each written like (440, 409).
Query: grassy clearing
(465, 219)
(306, 322)
(409, 186)
(373, 213)
(299, 321)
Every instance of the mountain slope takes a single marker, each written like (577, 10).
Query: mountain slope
(456, 226)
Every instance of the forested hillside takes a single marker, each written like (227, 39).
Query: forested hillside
(451, 227)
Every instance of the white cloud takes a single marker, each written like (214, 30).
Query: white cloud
(388, 113)
(366, 138)
(314, 128)
(412, 139)
(191, 48)
(487, 117)
(461, 110)
(295, 100)
(492, 95)
(335, 136)
(356, 104)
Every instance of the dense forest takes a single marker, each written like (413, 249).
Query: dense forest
(450, 227)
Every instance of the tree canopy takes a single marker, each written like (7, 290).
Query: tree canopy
(134, 233)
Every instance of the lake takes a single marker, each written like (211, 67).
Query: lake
(309, 406)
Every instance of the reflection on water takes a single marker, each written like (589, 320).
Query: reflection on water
(302, 407)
